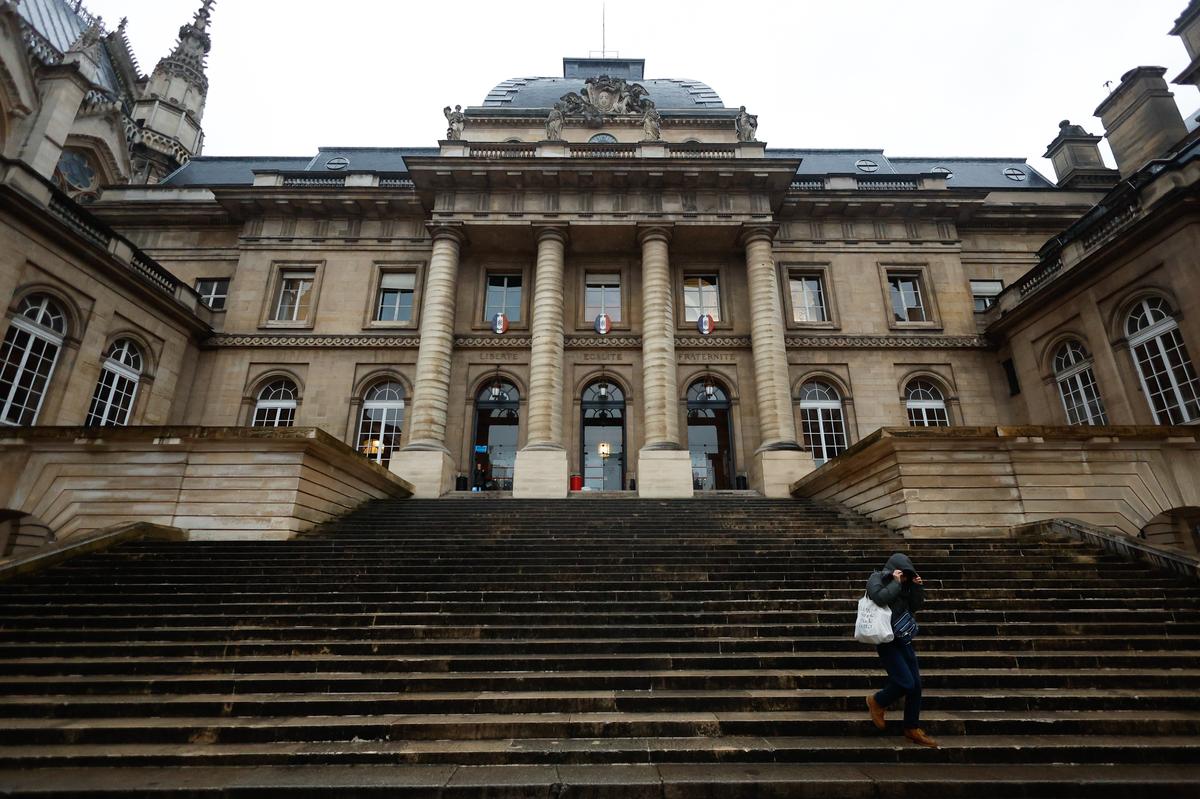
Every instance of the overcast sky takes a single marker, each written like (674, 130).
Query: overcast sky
(916, 78)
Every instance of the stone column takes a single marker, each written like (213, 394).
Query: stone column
(664, 468)
(425, 461)
(779, 460)
(540, 470)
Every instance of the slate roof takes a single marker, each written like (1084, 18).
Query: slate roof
(668, 94)
(61, 25)
(968, 173)
(239, 170)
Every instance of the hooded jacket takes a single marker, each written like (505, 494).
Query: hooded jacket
(886, 590)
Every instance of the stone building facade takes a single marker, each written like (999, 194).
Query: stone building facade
(597, 274)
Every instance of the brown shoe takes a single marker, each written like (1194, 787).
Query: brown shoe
(918, 736)
(877, 711)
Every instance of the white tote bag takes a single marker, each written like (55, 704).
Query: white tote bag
(874, 624)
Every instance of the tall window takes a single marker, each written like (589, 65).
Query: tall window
(908, 304)
(1168, 376)
(1077, 385)
(503, 296)
(396, 290)
(276, 406)
(701, 295)
(112, 401)
(602, 294)
(823, 423)
(213, 291)
(926, 405)
(27, 358)
(808, 298)
(381, 422)
(984, 293)
(294, 300)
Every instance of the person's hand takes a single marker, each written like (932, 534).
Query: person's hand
(917, 579)
(898, 574)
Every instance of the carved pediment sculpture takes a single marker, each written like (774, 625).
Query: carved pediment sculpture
(605, 97)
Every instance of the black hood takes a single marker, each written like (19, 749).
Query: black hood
(899, 561)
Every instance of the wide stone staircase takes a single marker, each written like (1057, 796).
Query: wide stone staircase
(606, 648)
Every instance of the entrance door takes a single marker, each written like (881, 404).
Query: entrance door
(710, 435)
(603, 432)
(497, 414)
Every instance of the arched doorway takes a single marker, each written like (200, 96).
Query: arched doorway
(497, 414)
(710, 435)
(602, 437)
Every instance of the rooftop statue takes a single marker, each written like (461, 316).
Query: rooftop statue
(747, 125)
(457, 120)
(554, 122)
(651, 121)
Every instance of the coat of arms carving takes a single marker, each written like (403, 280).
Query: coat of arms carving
(604, 97)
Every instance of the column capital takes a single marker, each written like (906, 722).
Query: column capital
(541, 232)
(758, 232)
(653, 232)
(447, 230)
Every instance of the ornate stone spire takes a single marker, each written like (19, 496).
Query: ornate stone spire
(188, 57)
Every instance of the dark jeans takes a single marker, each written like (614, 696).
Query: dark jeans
(904, 679)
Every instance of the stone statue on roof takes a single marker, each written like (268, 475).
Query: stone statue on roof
(746, 124)
(651, 121)
(457, 120)
(554, 122)
(604, 97)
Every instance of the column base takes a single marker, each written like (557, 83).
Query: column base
(540, 474)
(772, 472)
(664, 474)
(431, 472)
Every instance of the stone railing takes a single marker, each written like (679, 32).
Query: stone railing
(1109, 224)
(504, 150)
(313, 181)
(79, 221)
(395, 183)
(1168, 559)
(604, 150)
(923, 481)
(701, 150)
(214, 482)
(39, 46)
(1039, 276)
(808, 184)
(154, 274)
(887, 184)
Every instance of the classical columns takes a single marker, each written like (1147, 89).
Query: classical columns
(664, 468)
(779, 460)
(659, 384)
(541, 466)
(546, 355)
(425, 462)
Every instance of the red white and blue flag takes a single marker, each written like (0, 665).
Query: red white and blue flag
(705, 324)
(603, 323)
(499, 323)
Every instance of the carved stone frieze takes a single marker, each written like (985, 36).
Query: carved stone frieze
(594, 342)
(301, 340)
(491, 342)
(711, 342)
(888, 342)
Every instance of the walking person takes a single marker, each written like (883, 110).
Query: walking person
(899, 587)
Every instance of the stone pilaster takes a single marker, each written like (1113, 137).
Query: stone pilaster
(779, 460)
(664, 468)
(425, 462)
(540, 470)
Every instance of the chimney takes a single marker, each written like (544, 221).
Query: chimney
(1141, 120)
(1187, 27)
(1078, 164)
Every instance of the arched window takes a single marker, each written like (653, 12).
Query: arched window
(926, 405)
(112, 401)
(276, 406)
(1077, 385)
(1168, 377)
(381, 421)
(27, 358)
(822, 420)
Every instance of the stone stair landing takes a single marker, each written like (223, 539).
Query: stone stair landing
(617, 648)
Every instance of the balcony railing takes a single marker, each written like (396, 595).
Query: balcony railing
(504, 150)
(306, 182)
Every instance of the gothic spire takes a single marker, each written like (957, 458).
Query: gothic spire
(188, 57)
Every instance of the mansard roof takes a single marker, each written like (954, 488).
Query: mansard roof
(668, 94)
(965, 173)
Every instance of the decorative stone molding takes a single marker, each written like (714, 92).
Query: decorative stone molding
(888, 342)
(712, 342)
(600, 342)
(253, 340)
(491, 342)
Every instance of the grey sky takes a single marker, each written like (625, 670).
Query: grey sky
(925, 77)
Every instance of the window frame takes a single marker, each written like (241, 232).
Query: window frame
(120, 372)
(823, 273)
(588, 275)
(522, 270)
(720, 318)
(279, 271)
(1072, 377)
(1153, 334)
(378, 272)
(19, 323)
(292, 404)
(991, 298)
(933, 319)
(367, 405)
(585, 323)
(202, 295)
(821, 407)
(924, 406)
